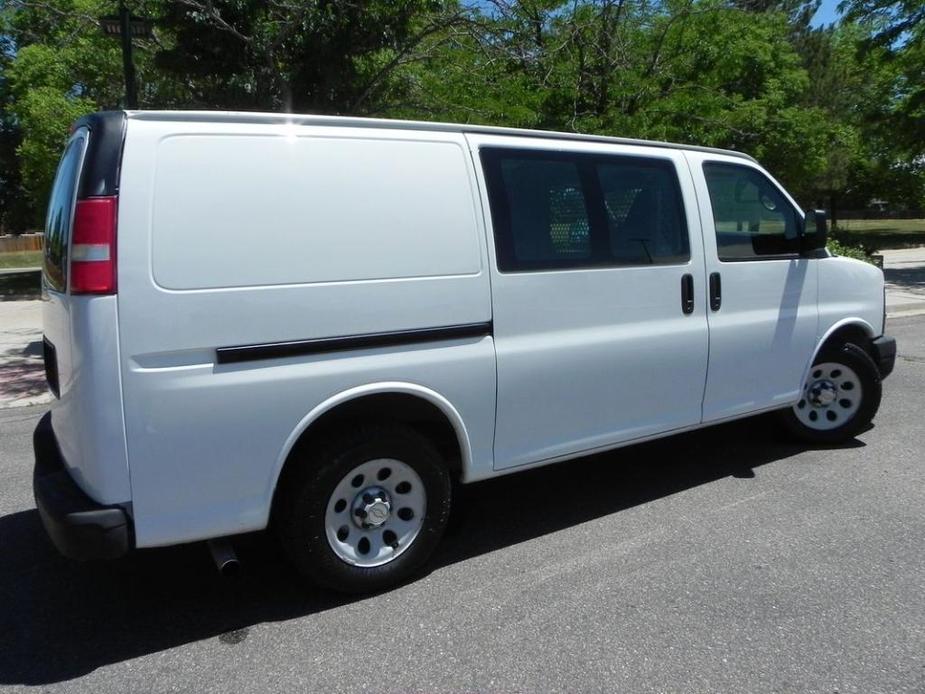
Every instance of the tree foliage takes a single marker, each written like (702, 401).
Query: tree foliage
(836, 113)
(323, 57)
(59, 67)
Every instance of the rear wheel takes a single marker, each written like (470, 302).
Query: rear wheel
(840, 397)
(365, 510)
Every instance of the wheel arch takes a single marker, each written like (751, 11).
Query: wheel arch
(852, 329)
(407, 402)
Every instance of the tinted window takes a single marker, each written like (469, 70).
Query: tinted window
(547, 216)
(645, 218)
(554, 210)
(60, 211)
(752, 218)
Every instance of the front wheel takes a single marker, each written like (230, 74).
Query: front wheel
(840, 397)
(366, 510)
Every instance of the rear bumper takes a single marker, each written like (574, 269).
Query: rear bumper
(79, 527)
(883, 350)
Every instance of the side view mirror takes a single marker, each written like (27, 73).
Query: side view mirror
(815, 233)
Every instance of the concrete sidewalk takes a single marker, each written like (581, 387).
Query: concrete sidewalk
(904, 271)
(22, 372)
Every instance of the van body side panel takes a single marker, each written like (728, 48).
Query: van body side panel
(850, 289)
(591, 357)
(206, 439)
(234, 235)
(309, 209)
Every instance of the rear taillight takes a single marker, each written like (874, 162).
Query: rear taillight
(93, 248)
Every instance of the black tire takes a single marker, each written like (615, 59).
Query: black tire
(859, 361)
(299, 517)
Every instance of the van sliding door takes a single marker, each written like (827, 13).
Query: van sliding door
(597, 284)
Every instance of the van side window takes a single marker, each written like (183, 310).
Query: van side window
(554, 210)
(547, 215)
(645, 217)
(751, 217)
(61, 210)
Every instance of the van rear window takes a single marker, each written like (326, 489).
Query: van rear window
(61, 211)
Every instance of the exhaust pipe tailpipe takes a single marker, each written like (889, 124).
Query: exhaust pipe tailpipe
(226, 561)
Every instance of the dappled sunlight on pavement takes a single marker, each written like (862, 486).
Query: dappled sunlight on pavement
(22, 372)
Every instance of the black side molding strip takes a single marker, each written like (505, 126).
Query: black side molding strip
(323, 345)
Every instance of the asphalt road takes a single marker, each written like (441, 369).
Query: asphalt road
(722, 560)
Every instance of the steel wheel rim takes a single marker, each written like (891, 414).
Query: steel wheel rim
(375, 512)
(831, 397)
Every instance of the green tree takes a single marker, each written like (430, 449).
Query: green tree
(891, 21)
(699, 71)
(836, 114)
(16, 214)
(60, 68)
(314, 56)
(895, 31)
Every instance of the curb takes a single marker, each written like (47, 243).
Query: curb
(907, 313)
(42, 399)
(18, 270)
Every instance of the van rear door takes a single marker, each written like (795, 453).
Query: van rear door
(80, 312)
(58, 225)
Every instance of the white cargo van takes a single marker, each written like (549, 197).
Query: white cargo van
(319, 324)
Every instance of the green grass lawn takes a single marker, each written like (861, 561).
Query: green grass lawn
(883, 226)
(21, 259)
(878, 234)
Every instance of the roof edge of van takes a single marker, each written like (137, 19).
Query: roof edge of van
(256, 117)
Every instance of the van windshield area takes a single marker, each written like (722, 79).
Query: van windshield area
(61, 212)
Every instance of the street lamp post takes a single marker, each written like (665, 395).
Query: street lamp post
(126, 27)
(128, 66)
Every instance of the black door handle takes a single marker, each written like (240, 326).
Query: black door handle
(716, 291)
(687, 293)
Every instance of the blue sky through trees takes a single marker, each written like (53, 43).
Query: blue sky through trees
(827, 13)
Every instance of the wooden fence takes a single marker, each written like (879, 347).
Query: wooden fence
(23, 242)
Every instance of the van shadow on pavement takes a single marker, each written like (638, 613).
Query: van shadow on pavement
(60, 619)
